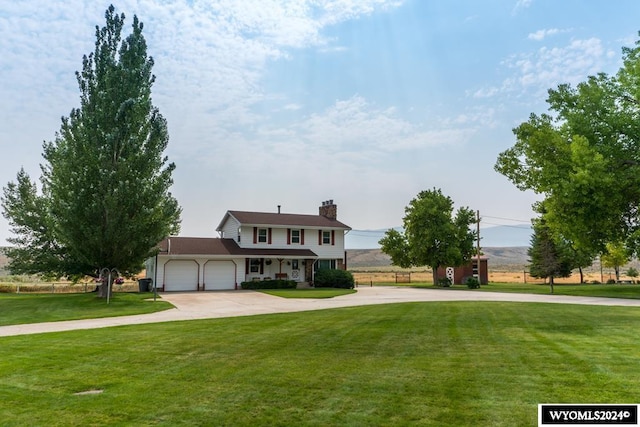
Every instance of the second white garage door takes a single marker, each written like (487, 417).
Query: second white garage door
(219, 275)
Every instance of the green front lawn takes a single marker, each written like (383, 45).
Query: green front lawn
(35, 308)
(309, 293)
(440, 364)
(585, 290)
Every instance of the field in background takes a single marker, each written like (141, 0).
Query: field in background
(506, 265)
(24, 285)
(378, 277)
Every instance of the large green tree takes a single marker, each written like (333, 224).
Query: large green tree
(584, 158)
(432, 235)
(105, 200)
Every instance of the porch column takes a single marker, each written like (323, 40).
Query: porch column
(308, 270)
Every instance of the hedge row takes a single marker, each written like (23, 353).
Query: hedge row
(326, 278)
(269, 284)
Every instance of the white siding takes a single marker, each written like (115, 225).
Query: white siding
(247, 237)
(230, 228)
(279, 241)
(328, 251)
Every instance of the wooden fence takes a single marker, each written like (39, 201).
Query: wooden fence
(62, 288)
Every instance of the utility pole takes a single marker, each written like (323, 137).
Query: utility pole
(478, 245)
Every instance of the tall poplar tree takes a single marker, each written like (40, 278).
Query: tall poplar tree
(105, 199)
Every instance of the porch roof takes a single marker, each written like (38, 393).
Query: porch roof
(225, 247)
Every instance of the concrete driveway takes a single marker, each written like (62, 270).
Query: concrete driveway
(210, 305)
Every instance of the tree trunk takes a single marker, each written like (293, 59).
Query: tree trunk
(581, 275)
(104, 288)
(551, 283)
(435, 275)
(617, 268)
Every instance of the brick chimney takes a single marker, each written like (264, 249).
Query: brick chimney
(329, 210)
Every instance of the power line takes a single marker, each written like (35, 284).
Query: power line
(520, 227)
(366, 233)
(507, 219)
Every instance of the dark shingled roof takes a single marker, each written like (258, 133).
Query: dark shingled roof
(283, 219)
(221, 247)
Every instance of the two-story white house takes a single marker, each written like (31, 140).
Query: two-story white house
(252, 246)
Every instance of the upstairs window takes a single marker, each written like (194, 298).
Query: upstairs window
(326, 237)
(262, 235)
(295, 237)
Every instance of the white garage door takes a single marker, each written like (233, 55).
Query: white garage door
(219, 275)
(181, 275)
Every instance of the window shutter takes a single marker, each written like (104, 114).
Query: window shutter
(269, 236)
(333, 237)
(302, 236)
(255, 235)
(261, 265)
(319, 237)
(246, 266)
(288, 236)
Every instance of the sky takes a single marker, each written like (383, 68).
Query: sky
(294, 102)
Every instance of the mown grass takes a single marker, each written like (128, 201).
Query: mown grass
(309, 293)
(586, 290)
(424, 364)
(35, 308)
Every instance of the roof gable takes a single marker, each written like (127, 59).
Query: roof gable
(282, 220)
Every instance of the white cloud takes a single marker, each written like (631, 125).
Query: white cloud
(521, 4)
(550, 66)
(485, 92)
(292, 107)
(354, 125)
(542, 34)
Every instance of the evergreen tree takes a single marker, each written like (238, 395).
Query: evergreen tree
(549, 257)
(105, 187)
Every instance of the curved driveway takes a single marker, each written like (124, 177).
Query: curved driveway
(210, 305)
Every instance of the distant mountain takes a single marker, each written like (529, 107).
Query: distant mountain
(364, 239)
(515, 256)
(498, 236)
(506, 236)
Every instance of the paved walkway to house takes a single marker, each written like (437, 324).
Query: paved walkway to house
(210, 305)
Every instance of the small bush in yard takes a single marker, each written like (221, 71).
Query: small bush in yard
(444, 282)
(326, 278)
(269, 284)
(472, 283)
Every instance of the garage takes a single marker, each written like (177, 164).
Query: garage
(181, 275)
(219, 275)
